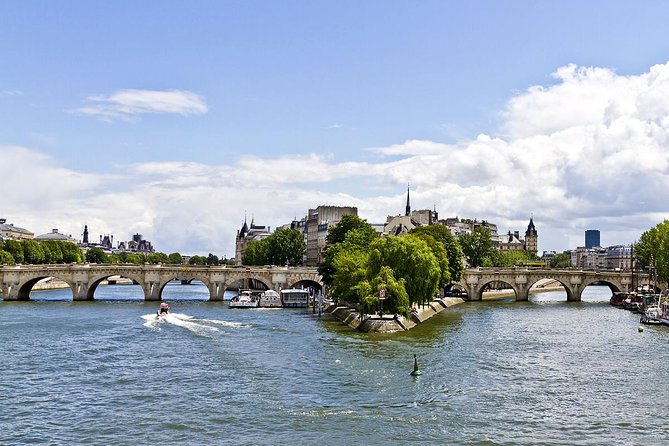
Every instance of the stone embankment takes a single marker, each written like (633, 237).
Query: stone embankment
(389, 323)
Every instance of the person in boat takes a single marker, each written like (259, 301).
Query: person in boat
(164, 308)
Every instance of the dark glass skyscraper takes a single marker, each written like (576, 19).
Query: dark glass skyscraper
(592, 238)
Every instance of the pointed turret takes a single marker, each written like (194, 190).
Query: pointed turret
(408, 208)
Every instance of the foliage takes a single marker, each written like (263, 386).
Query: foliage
(96, 255)
(561, 260)
(453, 249)
(337, 233)
(175, 259)
(32, 252)
(511, 258)
(358, 238)
(439, 252)
(350, 270)
(156, 258)
(477, 247)
(256, 252)
(196, 260)
(15, 249)
(6, 258)
(397, 299)
(652, 251)
(135, 259)
(212, 260)
(285, 247)
(411, 259)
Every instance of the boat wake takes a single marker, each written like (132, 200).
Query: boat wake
(198, 326)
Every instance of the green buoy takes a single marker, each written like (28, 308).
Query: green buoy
(416, 371)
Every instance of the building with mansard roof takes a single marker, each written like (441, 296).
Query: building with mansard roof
(10, 232)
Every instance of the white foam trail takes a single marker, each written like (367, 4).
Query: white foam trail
(179, 320)
(151, 321)
(225, 323)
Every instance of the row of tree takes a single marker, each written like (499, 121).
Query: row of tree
(55, 251)
(284, 247)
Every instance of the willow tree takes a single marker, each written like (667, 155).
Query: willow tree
(453, 249)
(411, 259)
(396, 299)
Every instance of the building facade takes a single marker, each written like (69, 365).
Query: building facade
(10, 232)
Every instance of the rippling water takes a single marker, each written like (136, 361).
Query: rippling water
(545, 372)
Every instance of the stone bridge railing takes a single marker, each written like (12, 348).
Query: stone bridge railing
(476, 280)
(16, 282)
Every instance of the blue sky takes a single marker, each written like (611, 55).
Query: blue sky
(175, 119)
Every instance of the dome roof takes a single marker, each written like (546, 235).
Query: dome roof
(55, 235)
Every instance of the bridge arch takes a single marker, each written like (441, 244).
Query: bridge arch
(26, 286)
(485, 283)
(307, 283)
(188, 278)
(96, 279)
(245, 278)
(561, 280)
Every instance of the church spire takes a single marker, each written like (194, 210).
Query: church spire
(408, 209)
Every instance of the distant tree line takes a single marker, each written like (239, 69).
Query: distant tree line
(55, 251)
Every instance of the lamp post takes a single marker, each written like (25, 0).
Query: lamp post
(382, 297)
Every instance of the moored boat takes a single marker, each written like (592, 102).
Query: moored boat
(294, 298)
(245, 299)
(269, 299)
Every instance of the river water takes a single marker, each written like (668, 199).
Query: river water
(544, 372)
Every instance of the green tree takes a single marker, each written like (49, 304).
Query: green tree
(32, 252)
(561, 260)
(477, 246)
(256, 253)
(411, 259)
(175, 258)
(212, 259)
(350, 270)
(157, 257)
(358, 238)
(396, 300)
(96, 255)
(71, 253)
(15, 249)
(196, 260)
(135, 259)
(337, 233)
(511, 258)
(652, 252)
(6, 258)
(453, 249)
(285, 247)
(439, 252)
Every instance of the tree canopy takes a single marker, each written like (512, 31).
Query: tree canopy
(652, 252)
(561, 260)
(284, 247)
(453, 249)
(477, 246)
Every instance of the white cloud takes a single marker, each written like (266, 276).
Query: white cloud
(590, 151)
(11, 93)
(126, 105)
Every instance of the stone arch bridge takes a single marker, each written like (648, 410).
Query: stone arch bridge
(574, 281)
(16, 282)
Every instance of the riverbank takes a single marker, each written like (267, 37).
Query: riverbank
(389, 323)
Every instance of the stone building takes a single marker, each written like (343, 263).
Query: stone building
(11, 232)
(317, 223)
(246, 235)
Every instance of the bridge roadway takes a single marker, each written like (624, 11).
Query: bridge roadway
(574, 281)
(16, 282)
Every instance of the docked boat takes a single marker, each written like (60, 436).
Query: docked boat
(294, 298)
(244, 300)
(270, 299)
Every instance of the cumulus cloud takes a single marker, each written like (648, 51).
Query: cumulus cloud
(126, 105)
(589, 151)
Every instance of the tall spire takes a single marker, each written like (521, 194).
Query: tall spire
(408, 209)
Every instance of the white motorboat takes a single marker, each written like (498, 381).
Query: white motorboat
(270, 299)
(244, 300)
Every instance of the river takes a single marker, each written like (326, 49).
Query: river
(543, 372)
